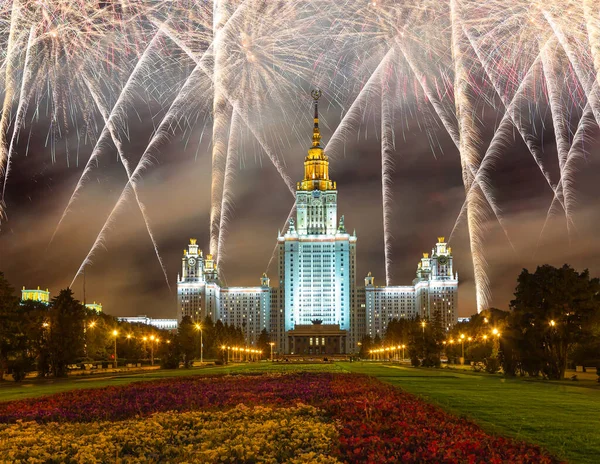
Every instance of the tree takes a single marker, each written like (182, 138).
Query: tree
(9, 305)
(186, 340)
(263, 343)
(170, 352)
(32, 343)
(554, 308)
(65, 330)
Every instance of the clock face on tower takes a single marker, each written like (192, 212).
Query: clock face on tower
(192, 261)
(443, 260)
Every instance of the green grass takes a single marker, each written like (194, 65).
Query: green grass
(562, 418)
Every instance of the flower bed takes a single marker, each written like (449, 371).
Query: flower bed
(298, 434)
(374, 422)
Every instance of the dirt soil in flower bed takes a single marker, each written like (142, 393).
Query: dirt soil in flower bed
(364, 419)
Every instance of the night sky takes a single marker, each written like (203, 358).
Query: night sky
(125, 275)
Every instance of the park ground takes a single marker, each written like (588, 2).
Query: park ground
(562, 417)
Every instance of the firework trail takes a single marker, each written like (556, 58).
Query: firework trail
(449, 122)
(470, 158)
(561, 132)
(116, 140)
(576, 151)
(230, 165)
(593, 31)
(586, 79)
(21, 109)
(354, 114)
(116, 113)
(9, 85)
(221, 117)
(501, 140)
(387, 169)
(187, 91)
(516, 118)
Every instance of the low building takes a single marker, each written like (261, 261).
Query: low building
(43, 296)
(95, 306)
(163, 324)
(317, 339)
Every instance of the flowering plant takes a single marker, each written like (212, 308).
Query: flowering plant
(349, 417)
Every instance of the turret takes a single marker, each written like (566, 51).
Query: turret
(264, 280)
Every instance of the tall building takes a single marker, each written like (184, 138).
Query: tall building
(316, 308)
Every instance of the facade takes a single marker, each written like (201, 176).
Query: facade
(43, 296)
(164, 324)
(95, 306)
(434, 289)
(316, 291)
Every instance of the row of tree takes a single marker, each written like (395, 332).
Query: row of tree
(205, 340)
(553, 320)
(50, 338)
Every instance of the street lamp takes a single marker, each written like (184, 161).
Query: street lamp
(423, 326)
(272, 344)
(199, 327)
(552, 323)
(152, 350)
(223, 350)
(115, 333)
(462, 343)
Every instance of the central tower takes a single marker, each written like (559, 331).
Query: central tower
(316, 195)
(316, 254)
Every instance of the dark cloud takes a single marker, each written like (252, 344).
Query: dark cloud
(427, 198)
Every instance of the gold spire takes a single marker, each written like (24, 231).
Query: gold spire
(316, 164)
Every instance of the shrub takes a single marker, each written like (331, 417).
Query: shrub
(415, 361)
(492, 364)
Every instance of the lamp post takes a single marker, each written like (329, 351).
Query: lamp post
(496, 332)
(462, 343)
(199, 328)
(152, 350)
(403, 358)
(271, 344)
(223, 351)
(115, 333)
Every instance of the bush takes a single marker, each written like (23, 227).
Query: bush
(19, 368)
(415, 362)
(431, 361)
(492, 364)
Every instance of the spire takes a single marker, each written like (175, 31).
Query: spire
(316, 94)
(316, 164)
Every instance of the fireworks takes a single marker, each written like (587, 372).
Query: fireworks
(72, 66)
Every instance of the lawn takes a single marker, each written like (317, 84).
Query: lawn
(564, 419)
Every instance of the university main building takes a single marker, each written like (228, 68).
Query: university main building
(316, 306)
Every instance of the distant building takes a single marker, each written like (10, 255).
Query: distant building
(163, 324)
(43, 296)
(95, 306)
(316, 306)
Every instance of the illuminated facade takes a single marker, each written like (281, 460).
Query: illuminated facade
(200, 295)
(95, 306)
(43, 296)
(316, 292)
(434, 289)
(163, 324)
